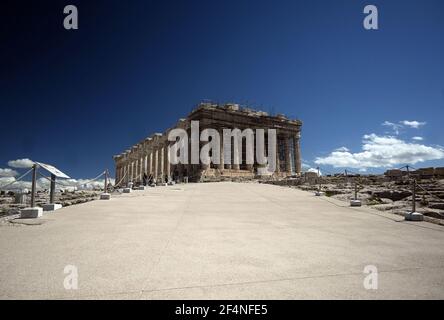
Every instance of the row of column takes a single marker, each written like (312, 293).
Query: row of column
(292, 155)
(155, 163)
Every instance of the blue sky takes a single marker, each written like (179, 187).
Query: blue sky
(75, 98)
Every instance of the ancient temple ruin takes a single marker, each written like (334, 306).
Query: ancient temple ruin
(151, 155)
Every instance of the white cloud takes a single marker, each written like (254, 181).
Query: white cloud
(382, 151)
(342, 149)
(21, 163)
(8, 172)
(413, 124)
(418, 138)
(9, 183)
(74, 184)
(62, 184)
(5, 180)
(395, 127)
(305, 165)
(315, 170)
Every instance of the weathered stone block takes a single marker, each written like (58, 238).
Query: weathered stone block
(35, 212)
(51, 206)
(413, 216)
(105, 196)
(355, 203)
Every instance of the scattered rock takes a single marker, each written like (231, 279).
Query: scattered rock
(394, 195)
(437, 206)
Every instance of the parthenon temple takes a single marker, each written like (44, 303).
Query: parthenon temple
(151, 155)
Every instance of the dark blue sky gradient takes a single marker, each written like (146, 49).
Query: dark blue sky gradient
(75, 98)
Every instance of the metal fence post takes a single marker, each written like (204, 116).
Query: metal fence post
(34, 180)
(356, 190)
(106, 182)
(52, 189)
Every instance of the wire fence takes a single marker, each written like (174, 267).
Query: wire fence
(16, 180)
(72, 185)
(399, 205)
(63, 184)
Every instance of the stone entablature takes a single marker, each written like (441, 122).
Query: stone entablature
(151, 155)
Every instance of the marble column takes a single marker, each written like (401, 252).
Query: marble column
(161, 164)
(297, 153)
(167, 161)
(142, 166)
(204, 166)
(236, 158)
(131, 171)
(278, 161)
(287, 155)
(150, 163)
(190, 169)
(156, 164)
(222, 162)
(136, 170)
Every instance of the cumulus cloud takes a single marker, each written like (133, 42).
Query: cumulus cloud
(21, 163)
(10, 184)
(413, 124)
(6, 180)
(8, 172)
(382, 151)
(418, 138)
(342, 149)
